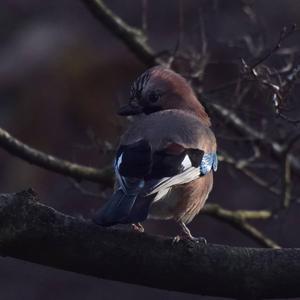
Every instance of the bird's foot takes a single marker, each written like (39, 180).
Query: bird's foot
(186, 235)
(199, 239)
(138, 227)
(176, 239)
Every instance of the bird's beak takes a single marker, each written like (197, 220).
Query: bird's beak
(130, 109)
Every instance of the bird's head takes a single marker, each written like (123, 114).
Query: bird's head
(160, 88)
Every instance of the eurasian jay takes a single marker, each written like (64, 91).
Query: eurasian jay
(164, 162)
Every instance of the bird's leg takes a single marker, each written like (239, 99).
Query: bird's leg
(187, 235)
(138, 227)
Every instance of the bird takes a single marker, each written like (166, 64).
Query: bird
(165, 160)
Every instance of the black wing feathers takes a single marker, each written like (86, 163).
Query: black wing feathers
(195, 156)
(138, 161)
(165, 164)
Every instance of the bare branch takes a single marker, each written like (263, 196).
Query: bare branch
(276, 149)
(282, 89)
(132, 37)
(286, 190)
(289, 120)
(240, 214)
(240, 166)
(34, 232)
(52, 163)
(286, 170)
(284, 34)
(239, 125)
(144, 15)
(238, 219)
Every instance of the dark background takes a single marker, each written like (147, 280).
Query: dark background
(62, 78)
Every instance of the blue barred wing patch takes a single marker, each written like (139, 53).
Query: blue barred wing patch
(215, 162)
(209, 161)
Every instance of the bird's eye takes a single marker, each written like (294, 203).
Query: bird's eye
(153, 97)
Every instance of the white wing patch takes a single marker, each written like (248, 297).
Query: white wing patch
(186, 163)
(119, 161)
(167, 182)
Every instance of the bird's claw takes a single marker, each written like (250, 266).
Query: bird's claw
(176, 239)
(199, 239)
(138, 227)
(188, 236)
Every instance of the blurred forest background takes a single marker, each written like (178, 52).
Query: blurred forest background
(63, 77)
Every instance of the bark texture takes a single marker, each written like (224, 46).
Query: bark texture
(34, 232)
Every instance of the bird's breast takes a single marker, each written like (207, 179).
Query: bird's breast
(164, 205)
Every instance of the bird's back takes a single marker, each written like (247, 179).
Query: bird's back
(171, 126)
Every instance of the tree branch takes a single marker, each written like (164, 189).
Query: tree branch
(225, 157)
(52, 163)
(239, 220)
(132, 37)
(34, 232)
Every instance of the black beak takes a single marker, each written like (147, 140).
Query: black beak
(130, 109)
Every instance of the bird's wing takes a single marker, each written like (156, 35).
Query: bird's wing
(194, 164)
(131, 164)
(141, 174)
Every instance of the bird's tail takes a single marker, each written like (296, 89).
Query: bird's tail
(115, 209)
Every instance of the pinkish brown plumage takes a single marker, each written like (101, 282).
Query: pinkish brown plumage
(165, 159)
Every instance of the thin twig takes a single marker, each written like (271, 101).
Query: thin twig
(277, 89)
(284, 34)
(286, 171)
(223, 156)
(286, 189)
(239, 125)
(144, 15)
(288, 119)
